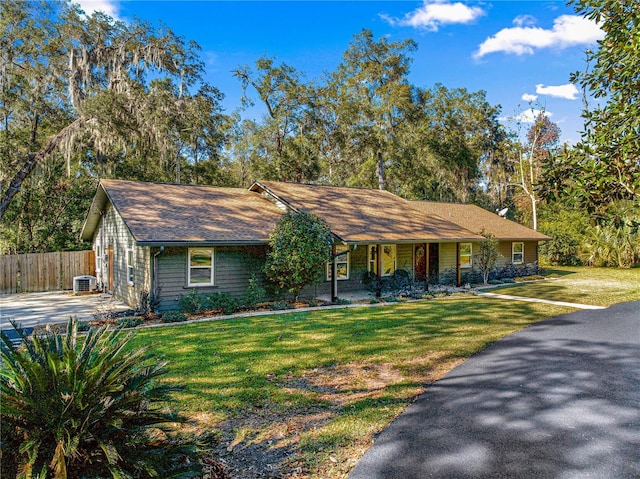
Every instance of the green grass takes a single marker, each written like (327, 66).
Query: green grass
(355, 368)
(594, 286)
(319, 385)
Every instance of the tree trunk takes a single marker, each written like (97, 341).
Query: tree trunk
(380, 171)
(30, 163)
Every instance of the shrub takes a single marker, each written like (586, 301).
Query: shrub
(193, 303)
(299, 249)
(280, 306)
(173, 317)
(84, 326)
(255, 293)
(342, 301)
(224, 302)
(89, 408)
(129, 322)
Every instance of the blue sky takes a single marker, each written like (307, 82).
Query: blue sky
(520, 52)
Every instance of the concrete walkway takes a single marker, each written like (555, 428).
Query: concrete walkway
(33, 309)
(559, 399)
(538, 300)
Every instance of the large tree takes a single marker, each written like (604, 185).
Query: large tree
(73, 82)
(284, 148)
(371, 95)
(605, 166)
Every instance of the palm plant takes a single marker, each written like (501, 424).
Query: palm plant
(86, 407)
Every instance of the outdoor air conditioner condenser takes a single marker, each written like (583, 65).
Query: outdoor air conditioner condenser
(84, 284)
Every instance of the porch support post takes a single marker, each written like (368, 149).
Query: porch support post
(426, 266)
(379, 269)
(334, 275)
(457, 264)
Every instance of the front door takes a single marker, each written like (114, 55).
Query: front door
(420, 262)
(434, 262)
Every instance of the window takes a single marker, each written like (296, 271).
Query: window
(200, 267)
(466, 255)
(98, 259)
(517, 253)
(342, 263)
(130, 266)
(388, 259)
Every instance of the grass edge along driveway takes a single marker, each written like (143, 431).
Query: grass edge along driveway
(593, 286)
(303, 394)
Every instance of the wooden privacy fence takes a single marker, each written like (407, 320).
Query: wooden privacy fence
(33, 272)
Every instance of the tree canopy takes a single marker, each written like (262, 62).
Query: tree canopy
(605, 166)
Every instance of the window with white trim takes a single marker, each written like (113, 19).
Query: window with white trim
(200, 267)
(466, 255)
(130, 266)
(389, 259)
(342, 263)
(517, 252)
(98, 258)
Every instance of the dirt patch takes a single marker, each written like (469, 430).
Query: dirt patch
(265, 443)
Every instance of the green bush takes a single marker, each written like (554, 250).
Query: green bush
(224, 302)
(298, 251)
(129, 321)
(89, 408)
(342, 301)
(280, 306)
(255, 294)
(84, 326)
(173, 317)
(193, 303)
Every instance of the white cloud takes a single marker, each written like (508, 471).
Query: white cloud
(110, 7)
(568, 91)
(529, 98)
(434, 13)
(530, 115)
(524, 20)
(568, 30)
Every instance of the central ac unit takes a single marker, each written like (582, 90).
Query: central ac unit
(84, 284)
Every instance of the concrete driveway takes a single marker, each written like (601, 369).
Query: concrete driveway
(33, 309)
(560, 399)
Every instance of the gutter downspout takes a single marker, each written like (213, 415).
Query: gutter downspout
(156, 285)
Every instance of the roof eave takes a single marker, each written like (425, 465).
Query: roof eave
(194, 244)
(94, 214)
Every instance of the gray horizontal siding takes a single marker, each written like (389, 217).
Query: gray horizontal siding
(233, 267)
(112, 230)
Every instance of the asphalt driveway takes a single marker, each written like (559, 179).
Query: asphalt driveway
(33, 309)
(560, 399)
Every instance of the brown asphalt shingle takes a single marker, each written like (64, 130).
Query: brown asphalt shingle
(476, 219)
(157, 213)
(358, 215)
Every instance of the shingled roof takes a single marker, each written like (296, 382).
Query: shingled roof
(358, 215)
(160, 213)
(476, 219)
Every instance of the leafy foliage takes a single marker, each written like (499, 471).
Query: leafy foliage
(487, 255)
(255, 293)
(299, 249)
(223, 301)
(86, 408)
(605, 166)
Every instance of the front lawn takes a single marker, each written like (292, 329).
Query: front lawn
(302, 394)
(594, 286)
